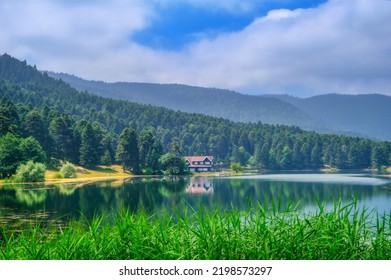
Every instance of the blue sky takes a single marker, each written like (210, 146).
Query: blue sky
(182, 22)
(300, 47)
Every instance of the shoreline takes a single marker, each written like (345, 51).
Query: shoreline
(100, 173)
(117, 174)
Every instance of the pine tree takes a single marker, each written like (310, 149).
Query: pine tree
(89, 147)
(127, 150)
(9, 119)
(61, 131)
(10, 155)
(35, 127)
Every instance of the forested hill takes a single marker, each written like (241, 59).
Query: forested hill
(270, 146)
(208, 101)
(366, 114)
(361, 115)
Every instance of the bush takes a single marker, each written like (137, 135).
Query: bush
(148, 171)
(58, 175)
(31, 172)
(236, 167)
(68, 170)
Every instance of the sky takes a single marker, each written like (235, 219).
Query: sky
(295, 47)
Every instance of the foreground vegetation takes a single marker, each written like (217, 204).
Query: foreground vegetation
(344, 232)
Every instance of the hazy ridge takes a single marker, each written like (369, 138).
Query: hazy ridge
(355, 115)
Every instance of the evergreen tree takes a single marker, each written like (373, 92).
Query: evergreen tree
(316, 156)
(240, 155)
(286, 159)
(106, 158)
(9, 119)
(145, 144)
(297, 156)
(150, 150)
(89, 147)
(62, 133)
(10, 155)
(379, 156)
(35, 127)
(154, 156)
(127, 150)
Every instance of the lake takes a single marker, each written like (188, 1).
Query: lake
(22, 205)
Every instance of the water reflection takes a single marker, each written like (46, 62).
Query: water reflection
(31, 197)
(19, 203)
(200, 185)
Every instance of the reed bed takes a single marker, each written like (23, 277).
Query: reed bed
(342, 233)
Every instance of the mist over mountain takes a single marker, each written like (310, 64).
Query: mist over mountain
(361, 115)
(366, 114)
(209, 101)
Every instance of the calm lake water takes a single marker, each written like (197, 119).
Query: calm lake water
(25, 204)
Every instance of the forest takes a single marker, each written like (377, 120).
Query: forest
(56, 122)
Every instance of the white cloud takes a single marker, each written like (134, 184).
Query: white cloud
(44, 29)
(340, 46)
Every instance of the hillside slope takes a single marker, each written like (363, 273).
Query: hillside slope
(338, 114)
(366, 114)
(209, 101)
(63, 109)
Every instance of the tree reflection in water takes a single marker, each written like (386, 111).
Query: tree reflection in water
(153, 195)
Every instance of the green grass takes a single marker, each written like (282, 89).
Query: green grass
(342, 233)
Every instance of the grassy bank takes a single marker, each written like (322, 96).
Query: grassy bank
(97, 173)
(342, 233)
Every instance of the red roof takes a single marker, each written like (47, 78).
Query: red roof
(192, 159)
(198, 158)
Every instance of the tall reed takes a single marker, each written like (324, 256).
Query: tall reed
(342, 233)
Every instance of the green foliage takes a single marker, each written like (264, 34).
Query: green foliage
(240, 155)
(33, 125)
(127, 150)
(173, 164)
(31, 172)
(31, 150)
(66, 144)
(9, 119)
(106, 158)
(15, 151)
(236, 167)
(68, 170)
(65, 114)
(89, 155)
(10, 155)
(150, 150)
(58, 175)
(341, 233)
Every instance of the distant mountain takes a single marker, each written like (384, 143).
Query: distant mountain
(354, 115)
(209, 101)
(367, 114)
(65, 114)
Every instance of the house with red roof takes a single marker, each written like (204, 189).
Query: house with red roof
(199, 163)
